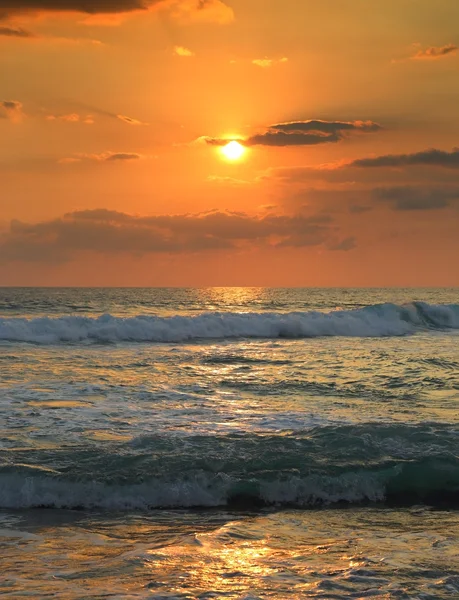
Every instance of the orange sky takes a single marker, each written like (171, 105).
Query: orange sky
(113, 116)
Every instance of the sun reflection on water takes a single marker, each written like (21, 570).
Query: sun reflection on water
(242, 299)
(294, 554)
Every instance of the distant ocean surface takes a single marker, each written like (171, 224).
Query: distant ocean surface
(229, 443)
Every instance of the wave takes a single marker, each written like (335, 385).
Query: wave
(372, 321)
(434, 484)
(394, 465)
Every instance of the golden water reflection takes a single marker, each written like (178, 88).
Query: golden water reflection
(290, 554)
(220, 297)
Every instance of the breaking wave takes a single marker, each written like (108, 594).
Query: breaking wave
(372, 321)
(435, 484)
(403, 466)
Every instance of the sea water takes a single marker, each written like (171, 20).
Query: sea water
(229, 443)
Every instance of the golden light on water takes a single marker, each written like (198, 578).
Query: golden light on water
(236, 297)
(233, 150)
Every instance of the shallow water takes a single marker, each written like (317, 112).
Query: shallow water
(315, 430)
(347, 553)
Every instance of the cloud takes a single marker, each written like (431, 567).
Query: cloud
(103, 157)
(415, 198)
(303, 133)
(215, 11)
(108, 231)
(106, 12)
(266, 63)
(16, 32)
(120, 156)
(182, 51)
(435, 52)
(227, 180)
(11, 105)
(72, 118)
(12, 110)
(128, 120)
(400, 169)
(95, 110)
(12, 7)
(431, 157)
(69, 161)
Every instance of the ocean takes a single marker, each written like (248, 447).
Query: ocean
(229, 443)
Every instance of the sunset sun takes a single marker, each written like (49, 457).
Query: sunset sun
(233, 150)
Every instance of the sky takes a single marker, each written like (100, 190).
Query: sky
(115, 119)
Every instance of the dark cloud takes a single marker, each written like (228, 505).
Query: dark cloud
(10, 8)
(404, 170)
(10, 105)
(282, 138)
(122, 156)
(353, 206)
(11, 109)
(91, 7)
(128, 120)
(431, 157)
(303, 133)
(413, 198)
(107, 231)
(326, 127)
(15, 32)
(435, 52)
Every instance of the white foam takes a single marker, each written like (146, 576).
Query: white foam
(19, 492)
(372, 321)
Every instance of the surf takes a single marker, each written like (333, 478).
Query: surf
(380, 320)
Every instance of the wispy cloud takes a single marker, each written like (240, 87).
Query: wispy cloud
(103, 157)
(435, 52)
(78, 107)
(182, 51)
(431, 157)
(72, 118)
(16, 32)
(20, 34)
(441, 164)
(266, 63)
(227, 180)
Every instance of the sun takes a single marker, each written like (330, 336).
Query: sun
(233, 150)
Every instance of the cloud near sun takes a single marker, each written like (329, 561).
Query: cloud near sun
(441, 166)
(303, 133)
(419, 181)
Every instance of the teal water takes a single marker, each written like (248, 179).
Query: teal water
(236, 443)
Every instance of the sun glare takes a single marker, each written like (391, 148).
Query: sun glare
(233, 150)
